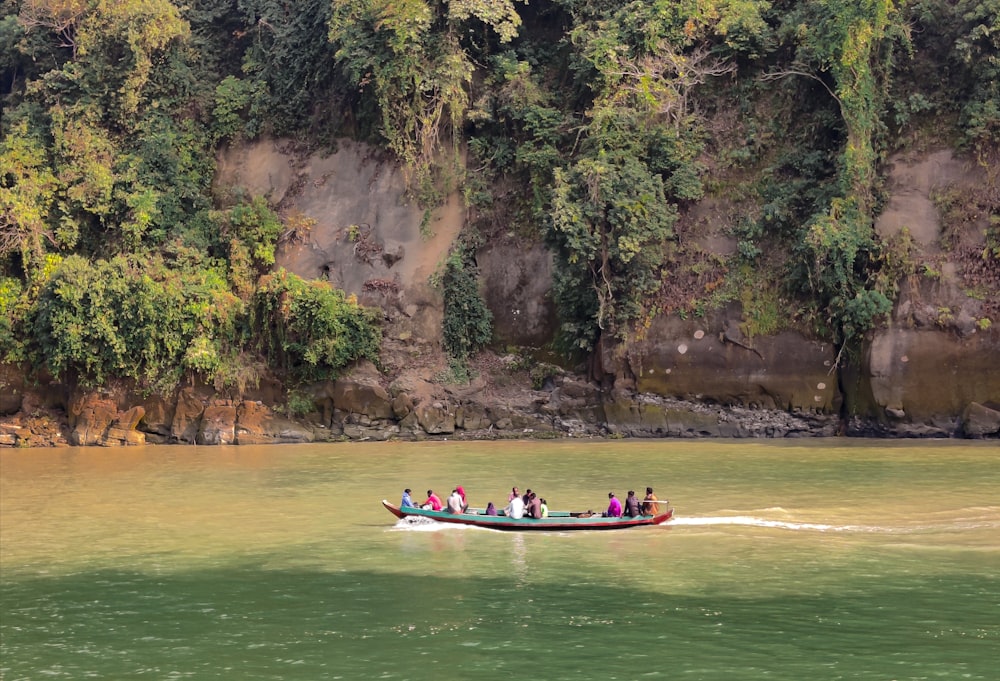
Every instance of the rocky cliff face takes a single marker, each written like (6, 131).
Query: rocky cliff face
(932, 371)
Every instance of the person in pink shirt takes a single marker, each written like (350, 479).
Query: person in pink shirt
(433, 501)
(614, 507)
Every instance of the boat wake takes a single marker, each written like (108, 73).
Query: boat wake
(780, 524)
(417, 524)
(917, 528)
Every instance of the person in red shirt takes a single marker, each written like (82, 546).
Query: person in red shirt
(433, 501)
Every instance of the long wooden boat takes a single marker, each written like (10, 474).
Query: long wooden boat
(557, 521)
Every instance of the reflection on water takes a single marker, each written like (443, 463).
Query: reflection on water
(818, 559)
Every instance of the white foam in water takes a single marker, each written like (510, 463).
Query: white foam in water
(969, 522)
(416, 524)
(761, 522)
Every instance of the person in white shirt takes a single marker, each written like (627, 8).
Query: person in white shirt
(515, 509)
(455, 503)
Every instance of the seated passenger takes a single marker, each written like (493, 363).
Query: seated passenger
(545, 509)
(455, 502)
(649, 505)
(632, 505)
(491, 509)
(515, 509)
(407, 502)
(433, 502)
(614, 507)
(534, 509)
(465, 502)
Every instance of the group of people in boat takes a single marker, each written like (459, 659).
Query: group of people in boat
(456, 502)
(632, 507)
(530, 505)
(527, 505)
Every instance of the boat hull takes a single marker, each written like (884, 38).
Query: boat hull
(557, 522)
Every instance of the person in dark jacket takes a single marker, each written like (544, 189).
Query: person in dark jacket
(632, 505)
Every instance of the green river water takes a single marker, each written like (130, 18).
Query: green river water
(791, 560)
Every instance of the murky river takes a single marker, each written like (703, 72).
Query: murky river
(799, 560)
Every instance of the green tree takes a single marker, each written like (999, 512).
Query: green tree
(106, 319)
(409, 55)
(609, 222)
(310, 328)
(113, 33)
(250, 231)
(27, 193)
(856, 44)
(468, 323)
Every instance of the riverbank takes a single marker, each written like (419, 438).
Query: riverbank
(499, 402)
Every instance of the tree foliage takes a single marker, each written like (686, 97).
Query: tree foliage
(590, 125)
(312, 328)
(468, 323)
(107, 145)
(610, 218)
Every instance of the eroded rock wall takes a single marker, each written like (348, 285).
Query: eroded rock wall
(931, 371)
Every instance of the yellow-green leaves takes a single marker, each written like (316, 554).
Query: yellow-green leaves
(61, 17)
(27, 191)
(112, 33)
(419, 78)
(500, 15)
(85, 156)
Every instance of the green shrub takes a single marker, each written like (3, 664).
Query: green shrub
(116, 319)
(468, 323)
(298, 404)
(310, 328)
(232, 102)
(11, 302)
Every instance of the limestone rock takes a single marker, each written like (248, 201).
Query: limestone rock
(435, 418)
(980, 421)
(159, 415)
(402, 405)
(705, 361)
(9, 434)
(472, 416)
(123, 429)
(11, 389)
(361, 397)
(187, 416)
(257, 424)
(516, 282)
(931, 376)
(500, 416)
(218, 425)
(90, 417)
(643, 419)
(282, 430)
(576, 401)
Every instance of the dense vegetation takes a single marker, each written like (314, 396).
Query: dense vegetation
(118, 259)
